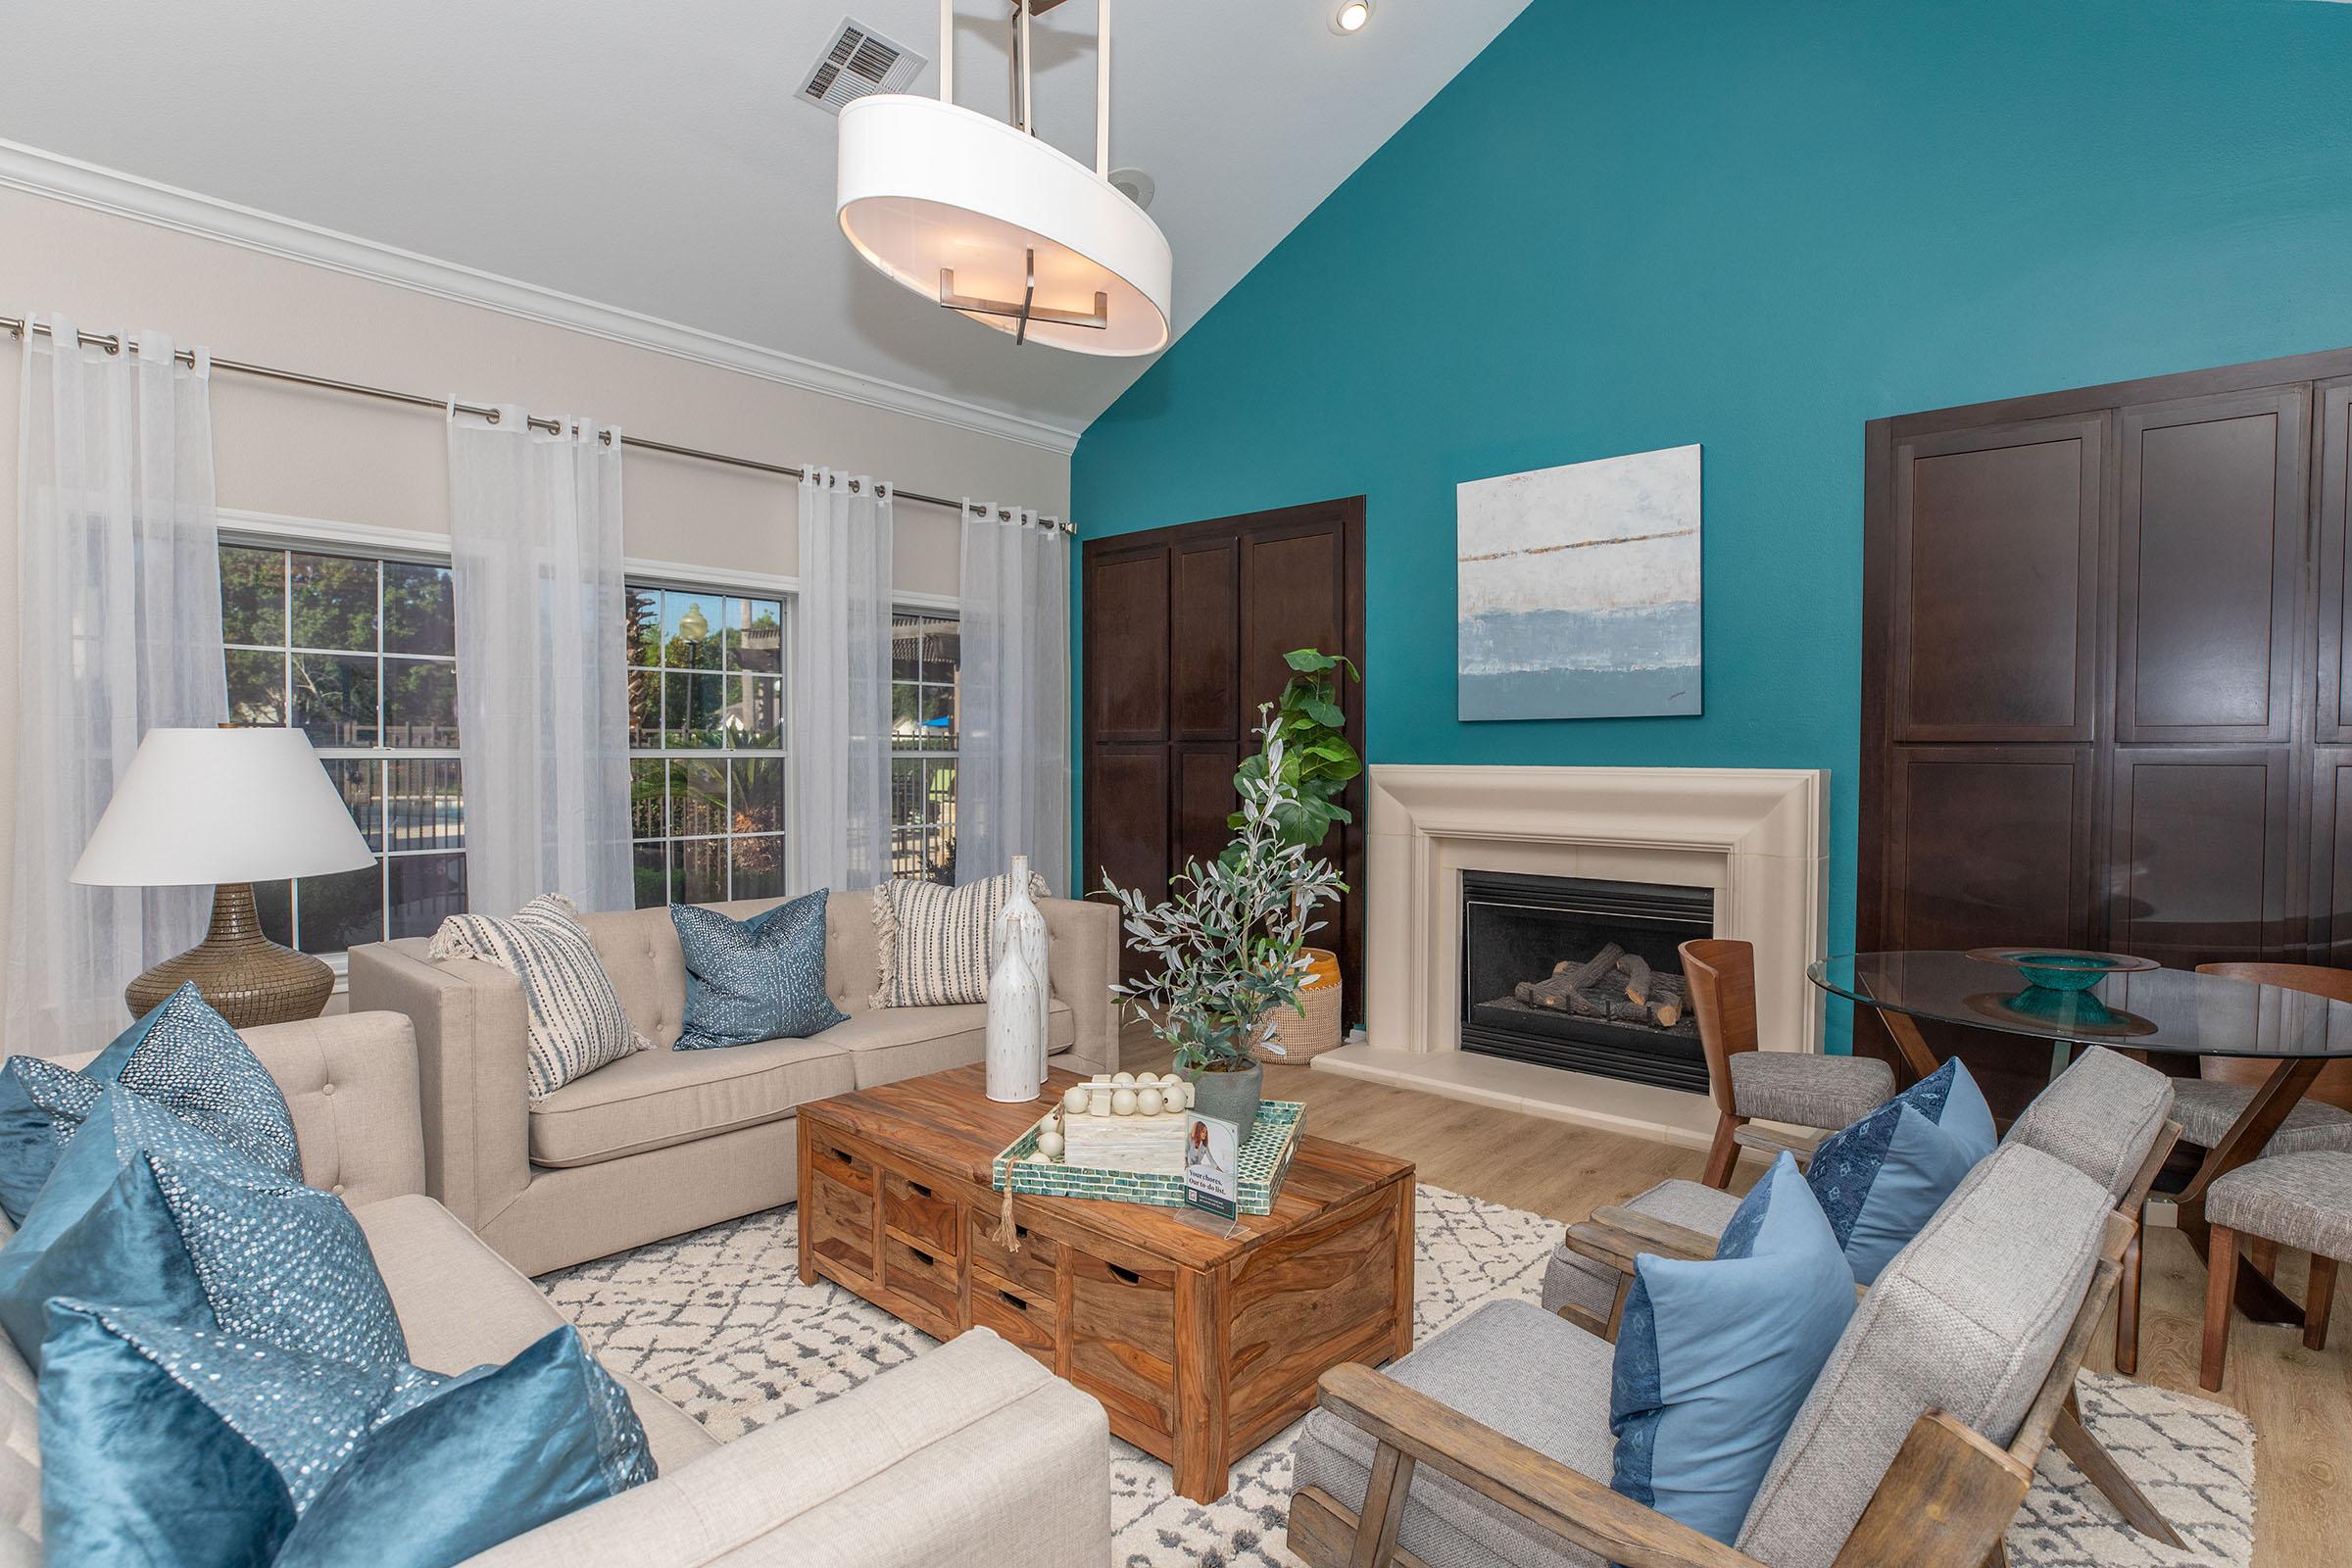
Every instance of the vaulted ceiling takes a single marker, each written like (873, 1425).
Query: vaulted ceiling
(656, 157)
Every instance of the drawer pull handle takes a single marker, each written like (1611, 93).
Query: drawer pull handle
(918, 1189)
(841, 1154)
(1127, 1275)
(1013, 1301)
(1022, 1231)
(921, 1257)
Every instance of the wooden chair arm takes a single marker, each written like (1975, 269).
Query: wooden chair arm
(1532, 1484)
(1655, 1235)
(1768, 1142)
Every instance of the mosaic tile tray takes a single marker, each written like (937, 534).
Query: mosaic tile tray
(1265, 1161)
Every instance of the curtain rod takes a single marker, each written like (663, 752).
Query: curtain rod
(114, 344)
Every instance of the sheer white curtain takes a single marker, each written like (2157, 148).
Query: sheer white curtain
(1012, 773)
(839, 809)
(543, 721)
(118, 631)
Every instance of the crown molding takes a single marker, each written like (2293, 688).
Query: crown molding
(106, 190)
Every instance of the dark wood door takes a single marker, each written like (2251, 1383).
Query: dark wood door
(1185, 632)
(2107, 679)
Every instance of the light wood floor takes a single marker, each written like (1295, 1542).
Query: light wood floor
(2300, 1401)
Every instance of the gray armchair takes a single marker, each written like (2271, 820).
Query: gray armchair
(1489, 1444)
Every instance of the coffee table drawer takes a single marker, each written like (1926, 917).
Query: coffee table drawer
(1122, 1333)
(837, 1212)
(1021, 1317)
(918, 1211)
(921, 1286)
(1031, 1269)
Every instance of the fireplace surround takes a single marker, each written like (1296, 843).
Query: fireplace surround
(1754, 839)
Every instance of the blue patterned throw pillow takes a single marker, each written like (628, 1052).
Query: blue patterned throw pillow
(182, 1056)
(168, 1445)
(1883, 1178)
(756, 979)
(1715, 1358)
(148, 1212)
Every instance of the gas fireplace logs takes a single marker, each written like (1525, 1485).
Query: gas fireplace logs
(1612, 984)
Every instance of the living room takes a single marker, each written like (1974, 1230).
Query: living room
(1517, 782)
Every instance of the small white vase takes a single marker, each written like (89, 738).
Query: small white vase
(1023, 924)
(1013, 1031)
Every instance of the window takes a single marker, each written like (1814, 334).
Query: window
(360, 653)
(926, 664)
(707, 772)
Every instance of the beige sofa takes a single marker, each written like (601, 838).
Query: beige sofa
(668, 1141)
(972, 1454)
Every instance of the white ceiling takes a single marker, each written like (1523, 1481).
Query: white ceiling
(654, 156)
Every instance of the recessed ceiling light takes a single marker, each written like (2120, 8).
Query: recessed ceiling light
(1350, 16)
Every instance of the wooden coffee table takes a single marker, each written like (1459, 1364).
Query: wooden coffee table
(1200, 1347)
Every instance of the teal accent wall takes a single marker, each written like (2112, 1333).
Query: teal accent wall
(1637, 224)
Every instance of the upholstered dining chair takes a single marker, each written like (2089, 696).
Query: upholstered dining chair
(2207, 1105)
(1746, 1084)
(2302, 1200)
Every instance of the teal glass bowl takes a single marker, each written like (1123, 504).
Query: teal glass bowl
(2062, 968)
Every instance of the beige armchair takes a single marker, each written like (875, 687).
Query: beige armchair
(666, 1141)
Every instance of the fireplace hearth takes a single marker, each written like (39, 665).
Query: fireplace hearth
(1581, 974)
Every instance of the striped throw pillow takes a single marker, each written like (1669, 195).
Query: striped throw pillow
(576, 1021)
(934, 939)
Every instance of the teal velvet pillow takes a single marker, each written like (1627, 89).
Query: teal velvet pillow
(756, 979)
(147, 1212)
(1881, 1179)
(1714, 1359)
(183, 1056)
(168, 1445)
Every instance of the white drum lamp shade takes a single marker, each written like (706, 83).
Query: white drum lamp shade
(211, 806)
(231, 808)
(958, 206)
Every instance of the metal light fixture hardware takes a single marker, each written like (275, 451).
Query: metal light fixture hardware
(994, 223)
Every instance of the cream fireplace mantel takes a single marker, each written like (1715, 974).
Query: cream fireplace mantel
(1758, 838)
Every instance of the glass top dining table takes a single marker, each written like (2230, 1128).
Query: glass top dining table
(2177, 1011)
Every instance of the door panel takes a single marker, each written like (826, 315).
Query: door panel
(2200, 854)
(1205, 798)
(2334, 402)
(1205, 592)
(1995, 604)
(2210, 556)
(1992, 846)
(1127, 824)
(2330, 901)
(1295, 595)
(1127, 646)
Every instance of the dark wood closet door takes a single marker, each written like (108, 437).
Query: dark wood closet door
(1184, 629)
(2200, 864)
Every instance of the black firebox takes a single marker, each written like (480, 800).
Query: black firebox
(1581, 974)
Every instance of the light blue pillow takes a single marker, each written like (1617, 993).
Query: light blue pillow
(182, 1055)
(168, 1445)
(1881, 1179)
(756, 979)
(1715, 1358)
(148, 1212)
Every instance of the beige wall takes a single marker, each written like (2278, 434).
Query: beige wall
(299, 452)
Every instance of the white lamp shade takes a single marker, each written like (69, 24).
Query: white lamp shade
(926, 188)
(211, 806)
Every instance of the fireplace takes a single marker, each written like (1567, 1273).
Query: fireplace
(1581, 974)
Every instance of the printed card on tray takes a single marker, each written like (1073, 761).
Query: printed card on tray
(1212, 1164)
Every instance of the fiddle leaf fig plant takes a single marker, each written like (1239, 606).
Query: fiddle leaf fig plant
(1315, 761)
(1226, 941)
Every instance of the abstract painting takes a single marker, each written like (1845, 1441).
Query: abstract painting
(1577, 590)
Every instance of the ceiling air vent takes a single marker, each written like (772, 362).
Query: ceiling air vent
(861, 61)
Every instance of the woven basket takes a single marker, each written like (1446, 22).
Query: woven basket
(1305, 1039)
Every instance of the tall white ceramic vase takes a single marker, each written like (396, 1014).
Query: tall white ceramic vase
(1021, 924)
(1012, 1033)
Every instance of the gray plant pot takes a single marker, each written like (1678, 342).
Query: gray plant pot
(1232, 1097)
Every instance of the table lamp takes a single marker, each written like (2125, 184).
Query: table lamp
(231, 808)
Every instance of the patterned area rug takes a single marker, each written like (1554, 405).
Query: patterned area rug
(720, 1323)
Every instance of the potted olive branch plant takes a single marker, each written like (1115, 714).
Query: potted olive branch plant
(1226, 944)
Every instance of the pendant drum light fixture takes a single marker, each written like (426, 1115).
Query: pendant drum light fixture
(987, 221)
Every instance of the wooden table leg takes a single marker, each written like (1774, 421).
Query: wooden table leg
(804, 1156)
(2247, 1137)
(1908, 1039)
